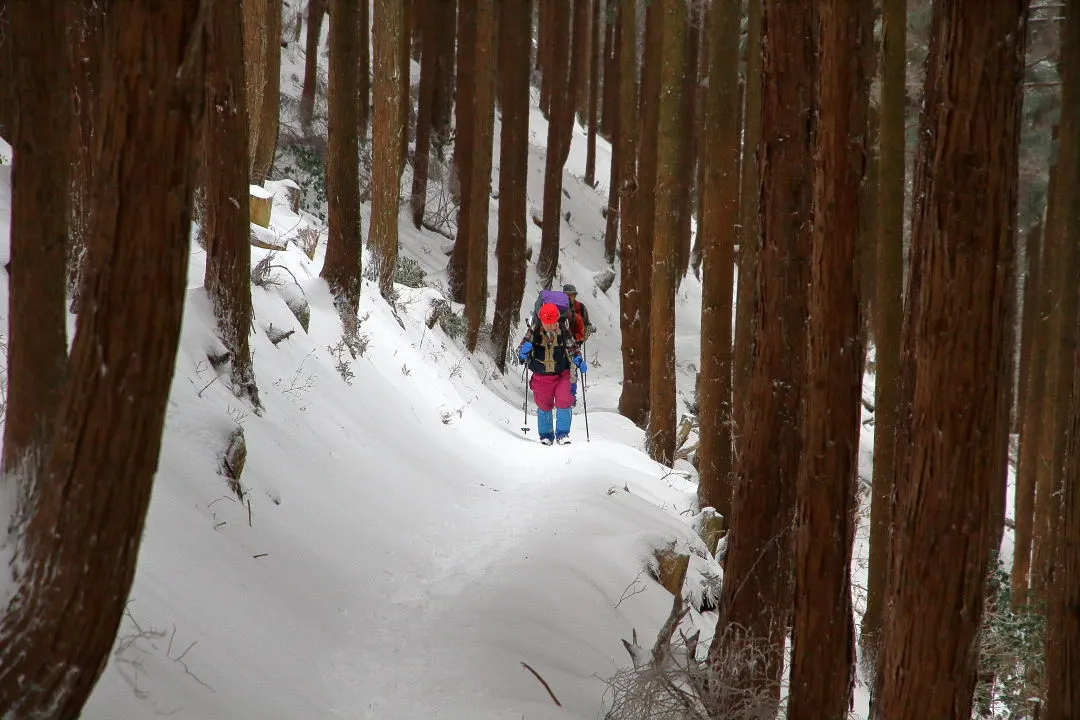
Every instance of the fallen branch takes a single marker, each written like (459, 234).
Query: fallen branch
(542, 682)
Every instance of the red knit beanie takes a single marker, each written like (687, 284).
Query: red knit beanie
(549, 314)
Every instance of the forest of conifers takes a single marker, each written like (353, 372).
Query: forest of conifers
(895, 183)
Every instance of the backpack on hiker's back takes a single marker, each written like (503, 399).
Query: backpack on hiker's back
(557, 298)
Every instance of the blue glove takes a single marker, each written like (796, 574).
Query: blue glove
(524, 350)
(580, 362)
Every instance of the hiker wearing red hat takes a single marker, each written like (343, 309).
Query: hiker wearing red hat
(551, 351)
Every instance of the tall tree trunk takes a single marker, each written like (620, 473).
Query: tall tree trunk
(1031, 465)
(954, 356)
(37, 315)
(269, 112)
(480, 179)
(594, 92)
(1027, 319)
(823, 636)
(749, 236)
(228, 249)
(757, 587)
(429, 18)
(582, 42)
(611, 227)
(634, 399)
(7, 104)
(887, 314)
(443, 110)
(717, 233)
(316, 10)
(1063, 590)
(88, 29)
(464, 144)
(101, 463)
(649, 113)
(662, 392)
(255, 41)
(610, 90)
(515, 39)
(545, 40)
(1047, 517)
(688, 141)
(1061, 312)
(560, 124)
(341, 268)
(1063, 653)
(386, 131)
(363, 63)
(1032, 376)
(702, 90)
(405, 81)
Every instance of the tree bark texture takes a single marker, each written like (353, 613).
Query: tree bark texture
(1051, 519)
(515, 39)
(254, 53)
(954, 356)
(749, 237)
(443, 110)
(611, 227)
(270, 110)
(37, 315)
(341, 268)
(634, 399)
(757, 588)
(688, 140)
(87, 35)
(887, 312)
(662, 400)
(823, 637)
(430, 19)
(610, 91)
(560, 125)
(404, 94)
(649, 115)
(7, 105)
(595, 58)
(58, 629)
(1032, 374)
(363, 64)
(1063, 586)
(544, 45)
(386, 131)
(316, 10)
(717, 233)
(1061, 312)
(464, 144)
(582, 41)
(228, 248)
(1063, 653)
(476, 289)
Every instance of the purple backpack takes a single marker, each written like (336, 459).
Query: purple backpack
(557, 298)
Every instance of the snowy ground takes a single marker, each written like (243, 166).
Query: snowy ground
(403, 547)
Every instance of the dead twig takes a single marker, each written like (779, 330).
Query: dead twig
(542, 682)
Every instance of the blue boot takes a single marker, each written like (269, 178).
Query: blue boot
(563, 417)
(543, 426)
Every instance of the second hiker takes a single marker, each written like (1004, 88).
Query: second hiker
(579, 325)
(551, 351)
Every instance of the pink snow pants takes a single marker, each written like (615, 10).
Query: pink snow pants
(551, 391)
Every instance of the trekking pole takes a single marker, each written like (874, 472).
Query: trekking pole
(525, 404)
(585, 404)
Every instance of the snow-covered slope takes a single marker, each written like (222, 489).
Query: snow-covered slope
(402, 546)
